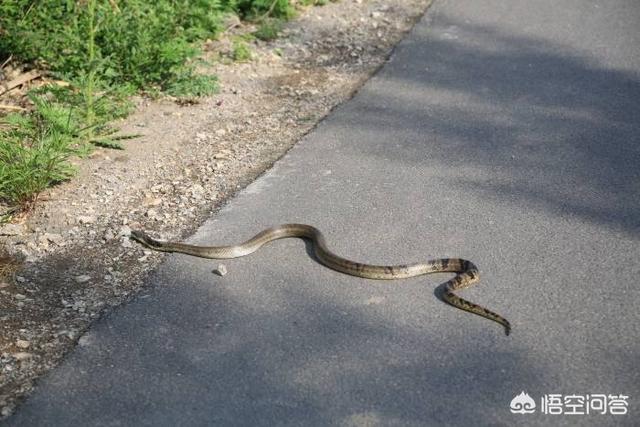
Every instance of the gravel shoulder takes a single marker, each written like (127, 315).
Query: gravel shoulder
(71, 259)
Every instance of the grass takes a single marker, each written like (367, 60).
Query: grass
(35, 149)
(106, 51)
(241, 51)
(316, 2)
(140, 44)
(269, 29)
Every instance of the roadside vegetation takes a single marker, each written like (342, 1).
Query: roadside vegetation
(95, 55)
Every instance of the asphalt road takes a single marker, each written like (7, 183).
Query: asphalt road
(504, 132)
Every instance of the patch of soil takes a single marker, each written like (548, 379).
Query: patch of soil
(71, 259)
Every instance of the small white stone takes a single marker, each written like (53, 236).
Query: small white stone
(23, 343)
(82, 278)
(125, 231)
(221, 270)
(86, 219)
(152, 201)
(84, 340)
(152, 214)
(22, 355)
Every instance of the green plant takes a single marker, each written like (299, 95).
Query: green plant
(255, 9)
(35, 148)
(268, 29)
(106, 50)
(241, 51)
(315, 2)
(137, 43)
(34, 151)
(194, 85)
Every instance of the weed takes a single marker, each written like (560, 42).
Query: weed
(106, 50)
(269, 29)
(314, 2)
(257, 9)
(241, 51)
(35, 149)
(195, 85)
(141, 43)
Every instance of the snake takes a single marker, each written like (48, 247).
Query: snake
(466, 272)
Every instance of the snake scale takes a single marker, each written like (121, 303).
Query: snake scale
(467, 272)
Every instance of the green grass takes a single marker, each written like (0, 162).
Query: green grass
(106, 50)
(35, 149)
(268, 29)
(141, 44)
(315, 2)
(257, 9)
(241, 51)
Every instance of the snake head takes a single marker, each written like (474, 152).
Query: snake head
(143, 238)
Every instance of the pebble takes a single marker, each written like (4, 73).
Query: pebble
(22, 355)
(221, 270)
(23, 343)
(83, 278)
(84, 340)
(86, 219)
(152, 214)
(152, 201)
(197, 190)
(125, 231)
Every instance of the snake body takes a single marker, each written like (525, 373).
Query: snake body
(467, 272)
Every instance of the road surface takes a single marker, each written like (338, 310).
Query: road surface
(504, 132)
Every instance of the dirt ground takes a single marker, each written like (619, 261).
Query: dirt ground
(71, 259)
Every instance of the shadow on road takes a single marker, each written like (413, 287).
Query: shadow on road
(290, 370)
(556, 129)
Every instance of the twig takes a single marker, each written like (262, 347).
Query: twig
(11, 107)
(20, 80)
(6, 62)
